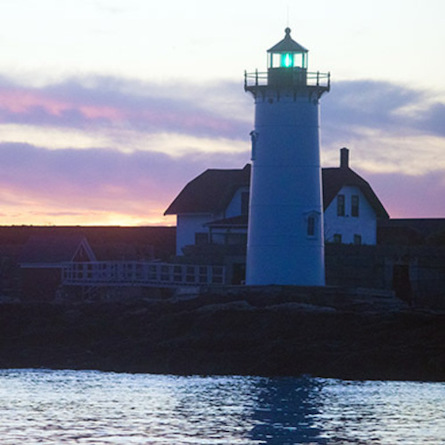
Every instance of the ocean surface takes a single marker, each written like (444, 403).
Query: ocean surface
(91, 407)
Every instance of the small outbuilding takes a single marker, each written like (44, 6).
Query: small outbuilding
(41, 262)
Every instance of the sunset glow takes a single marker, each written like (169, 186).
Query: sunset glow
(109, 110)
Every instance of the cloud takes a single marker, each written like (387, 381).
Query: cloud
(120, 109)
(106, 150)
(106, 102)
(94, 183)
(433, 119)
(352, 105)
(407, 196)
(390, 128)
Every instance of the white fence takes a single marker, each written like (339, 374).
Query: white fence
(139, 273)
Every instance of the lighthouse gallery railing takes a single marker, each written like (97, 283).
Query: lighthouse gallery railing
(315, 79)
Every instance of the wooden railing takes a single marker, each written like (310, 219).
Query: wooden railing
(139, 273)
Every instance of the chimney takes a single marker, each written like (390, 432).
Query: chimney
(344, 158)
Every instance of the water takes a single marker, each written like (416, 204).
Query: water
(90, 407)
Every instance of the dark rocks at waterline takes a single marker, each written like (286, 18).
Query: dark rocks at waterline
(210, 335)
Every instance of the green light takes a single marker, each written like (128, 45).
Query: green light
(287, 60)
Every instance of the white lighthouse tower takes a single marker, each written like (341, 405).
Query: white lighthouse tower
(285, 234)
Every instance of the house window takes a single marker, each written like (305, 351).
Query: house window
(201, 238)
(341, 205)
(337, 238)
(357, 239)
(244, 203)
(237, 239)
(311, 226)
(354, 205)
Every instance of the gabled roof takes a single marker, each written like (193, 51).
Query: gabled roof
(336, 178)
(287, 45)
(53, 249)
(210, 192)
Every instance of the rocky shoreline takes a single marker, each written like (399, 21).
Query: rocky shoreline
(241, 334)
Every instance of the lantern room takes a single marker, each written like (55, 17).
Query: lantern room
(287, 61)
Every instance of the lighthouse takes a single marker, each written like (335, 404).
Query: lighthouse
(285, 243)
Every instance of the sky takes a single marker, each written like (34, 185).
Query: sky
(109, 107)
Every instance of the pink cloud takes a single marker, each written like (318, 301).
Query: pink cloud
(20, 101)
(108, 101)
(406, 196)
(25, 102)
(93, 181)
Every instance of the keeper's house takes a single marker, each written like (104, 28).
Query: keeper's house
(212, 209)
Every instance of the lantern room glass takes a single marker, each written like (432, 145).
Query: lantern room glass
(287, 60)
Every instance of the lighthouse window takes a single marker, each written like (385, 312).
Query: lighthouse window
(357, 239)
(354, 205)
(341, 205)
(287, 60)
(311, 226)
(337, 239)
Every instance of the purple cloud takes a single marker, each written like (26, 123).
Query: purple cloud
(100, 180)
(354, 105)
(406, 196)
(221, 111)
(73, 181)
(104, 102)
(97, 180)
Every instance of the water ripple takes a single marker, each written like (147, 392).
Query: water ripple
(90, 407)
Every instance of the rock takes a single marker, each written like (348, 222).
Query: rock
(226, 335)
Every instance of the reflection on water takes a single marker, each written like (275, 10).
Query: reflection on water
(285, 411)
(89, 407)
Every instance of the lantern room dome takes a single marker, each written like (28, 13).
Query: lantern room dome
(287, 45)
